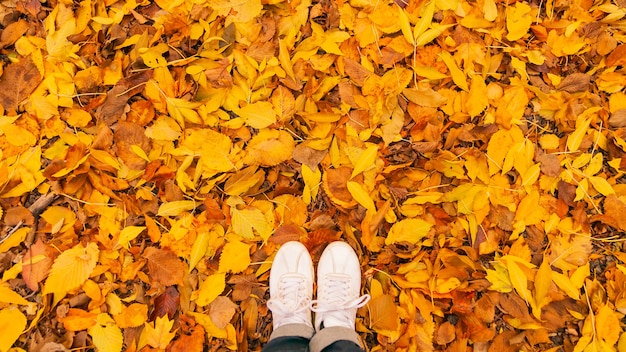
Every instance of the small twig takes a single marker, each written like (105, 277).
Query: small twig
(15, 228)
(37, 208)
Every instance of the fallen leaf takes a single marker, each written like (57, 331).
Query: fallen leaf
(164, 266)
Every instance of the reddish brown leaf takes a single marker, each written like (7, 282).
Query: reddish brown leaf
(166, 304)
(34, 273)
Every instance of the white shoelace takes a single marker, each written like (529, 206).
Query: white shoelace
(292, 303)
(337, 303)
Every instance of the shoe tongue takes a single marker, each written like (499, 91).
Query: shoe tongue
(331, 320)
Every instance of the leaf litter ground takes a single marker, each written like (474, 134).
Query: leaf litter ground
(155, 154)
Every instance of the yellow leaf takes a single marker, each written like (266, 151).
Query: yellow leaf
(128, 234)
(258, 115)
(243, 10)
(322, 117)
(543, 281)
(477, 100)
(565, 284)
(106, 336)
(530, 176)
(360, 195)
(431, 35)
(198, 249)
(490, 10)
(212, 287)
(518, 20)
(519, 280)
(242, 181)
(457, 75)
(312, 180)
(270, 147)
(601, 185)
(72, 268)
(176, 208)
(12, 324)
(61, 217)
(235, 257)
(408, 230)
(139, 152)
(14, 239)
(425, 21)
(215, 150)
(245, 219)
(608, 325)
(575, 138)
(163, 129)
(499, 278)
(549, 141)
(366, 160)
(425, 96)
(58, 46)
(9, 296)
(157, 335)
(405, 26)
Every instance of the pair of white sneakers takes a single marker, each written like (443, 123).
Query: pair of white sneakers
(338, 286)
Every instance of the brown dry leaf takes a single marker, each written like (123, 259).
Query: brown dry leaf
(18, 215)
(576, 82)
(127, 137)
(445, 333)
(164, 266)
(18, 80)
(221, 311)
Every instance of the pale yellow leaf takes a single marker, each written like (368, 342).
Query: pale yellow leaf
(312, 179)
(601, 185)
(565, 284)
(106, 335)
(575, 139)
(425, 21)
(128, 234)
(366, 160)
(198, 249)
(405, 25)
(157, 334)
(72, 268)
(360, 195)
(176, 208)
(245, 219)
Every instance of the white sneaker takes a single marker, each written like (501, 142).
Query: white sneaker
(338, 287)
(291, 285)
